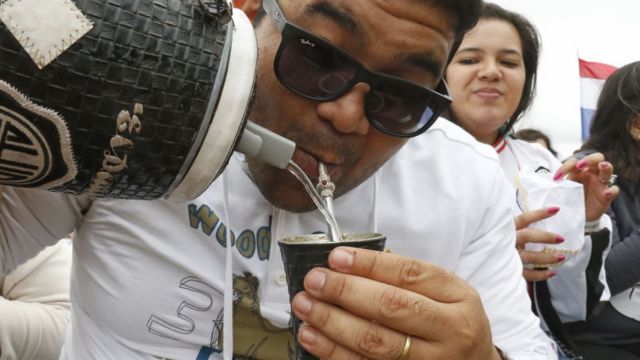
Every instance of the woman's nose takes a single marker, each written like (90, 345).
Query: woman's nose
(346, 113)
(490, 71)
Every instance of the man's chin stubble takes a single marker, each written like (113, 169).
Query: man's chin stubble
(280, 188)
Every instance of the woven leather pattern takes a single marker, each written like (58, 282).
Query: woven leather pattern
(162, 54)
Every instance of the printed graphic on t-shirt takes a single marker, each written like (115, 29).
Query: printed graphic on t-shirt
(254, 337)
(249, 243)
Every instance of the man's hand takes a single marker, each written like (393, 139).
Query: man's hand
(369, 302)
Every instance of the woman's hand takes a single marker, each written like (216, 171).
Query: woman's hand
(594, 173)
(536, 259)
(369, 302)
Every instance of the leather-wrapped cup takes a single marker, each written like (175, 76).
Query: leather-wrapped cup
(148, 89)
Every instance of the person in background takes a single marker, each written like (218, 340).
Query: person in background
(614, 332)
(35, 307)
(492, 78)
(536, 136)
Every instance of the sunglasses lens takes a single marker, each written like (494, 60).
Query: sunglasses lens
(314, 69)
(400, 108)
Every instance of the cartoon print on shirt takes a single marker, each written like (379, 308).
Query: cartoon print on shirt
(254, 336)
(247, 316)
(245, 296)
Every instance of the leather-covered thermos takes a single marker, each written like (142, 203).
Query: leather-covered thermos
(134, 99)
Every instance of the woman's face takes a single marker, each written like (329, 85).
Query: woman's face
(486, 78)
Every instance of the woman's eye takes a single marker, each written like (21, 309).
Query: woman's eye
(467, 61)
(510, 63)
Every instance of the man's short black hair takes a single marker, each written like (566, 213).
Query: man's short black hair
(467, 13)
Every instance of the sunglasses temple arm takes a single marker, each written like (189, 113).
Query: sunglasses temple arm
(266, 146)
(274, 10)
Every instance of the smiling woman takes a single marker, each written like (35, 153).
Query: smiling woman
(492, 80)
(487, 76)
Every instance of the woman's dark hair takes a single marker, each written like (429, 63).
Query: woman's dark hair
(533, 135)
(531, 48)
(618, 108)
(466, 11)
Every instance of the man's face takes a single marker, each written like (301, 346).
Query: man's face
(403, 38)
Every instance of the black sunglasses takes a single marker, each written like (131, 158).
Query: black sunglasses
(318, 70)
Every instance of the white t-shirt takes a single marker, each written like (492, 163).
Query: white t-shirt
(148, 277)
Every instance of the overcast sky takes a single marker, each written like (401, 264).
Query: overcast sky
(601, 31)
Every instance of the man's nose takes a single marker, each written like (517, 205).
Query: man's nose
(346, 113)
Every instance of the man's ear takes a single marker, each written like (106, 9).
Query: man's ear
(250, 7)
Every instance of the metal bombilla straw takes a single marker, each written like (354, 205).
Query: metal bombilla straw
(326, 188)
(334, 230)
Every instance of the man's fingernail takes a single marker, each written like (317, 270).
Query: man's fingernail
(308, 335)
(558, 175)
(559, 239)
(581, 164)
(315, 280)
(552, 210)
(341, 259)
(302, 304)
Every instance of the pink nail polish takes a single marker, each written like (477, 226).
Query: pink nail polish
(559, 239)
(558, 175)
(553, 210)
(560, 258)
(552, 274)
(581, 164)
